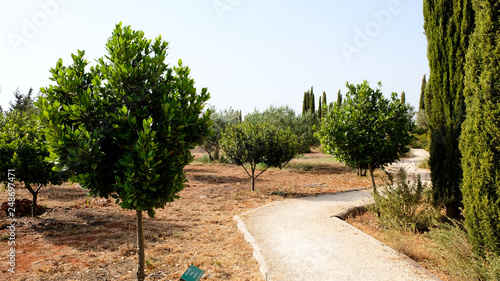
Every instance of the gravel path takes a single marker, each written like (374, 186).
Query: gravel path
(411, 164)
(298, 239)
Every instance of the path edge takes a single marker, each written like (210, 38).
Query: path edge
(409, 260)
(257, 254)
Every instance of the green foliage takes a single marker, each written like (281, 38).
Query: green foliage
(367, 130)
(402, 204)
(125, 127)
(23, 148)
(422, 141)
(220, 119)
(480, 139)
(448, 26)
(284, 117)
(256, 143)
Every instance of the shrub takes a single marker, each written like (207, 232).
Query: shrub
(404, 205)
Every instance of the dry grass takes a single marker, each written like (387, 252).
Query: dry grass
(413, 244)
(82, 238)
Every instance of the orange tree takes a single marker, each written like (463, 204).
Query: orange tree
(23, 149)
(367, 130)
(256, 143)
(125, 126)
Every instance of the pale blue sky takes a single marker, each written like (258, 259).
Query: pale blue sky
(249, 54)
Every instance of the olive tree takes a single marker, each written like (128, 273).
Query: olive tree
(367, 130)
(220, 119)
(125, 127)
(284, 117)
(255, 143)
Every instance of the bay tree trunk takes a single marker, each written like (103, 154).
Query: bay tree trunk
(34, 194)
(253, 178)
(140, 247)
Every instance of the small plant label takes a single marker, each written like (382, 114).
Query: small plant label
(192, 274)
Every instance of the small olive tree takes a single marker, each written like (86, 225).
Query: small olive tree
(284, 117)
(367, 130)
(125, 127)
(220, 119)
(255, 143)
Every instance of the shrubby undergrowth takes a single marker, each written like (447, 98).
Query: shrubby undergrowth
(403, 204)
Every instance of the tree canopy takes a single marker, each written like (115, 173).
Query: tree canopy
(256, 143)
(367, 130)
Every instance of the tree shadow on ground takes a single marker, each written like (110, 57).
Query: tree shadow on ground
(90, 229)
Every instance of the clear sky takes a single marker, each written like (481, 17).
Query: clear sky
(249, 54)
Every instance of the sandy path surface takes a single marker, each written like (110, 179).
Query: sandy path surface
(411, 163)
(298, 239)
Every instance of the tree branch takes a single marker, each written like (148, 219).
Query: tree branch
(261, 172)
(246, 170)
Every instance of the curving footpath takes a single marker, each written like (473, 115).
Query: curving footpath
(300, 239)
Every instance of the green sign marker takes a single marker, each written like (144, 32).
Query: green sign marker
(192, 274)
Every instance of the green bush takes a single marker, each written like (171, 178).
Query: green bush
(422, 141)
(404, 205)
(205, 159)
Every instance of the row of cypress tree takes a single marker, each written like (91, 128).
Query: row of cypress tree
(463, 111)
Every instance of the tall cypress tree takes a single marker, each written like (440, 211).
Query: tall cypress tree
(305, 103)
(448, 25)
(403, 97)
(312, 106)
(339, 99)
(421, 106)
(324, 99)
(320, 108)
(480, 139)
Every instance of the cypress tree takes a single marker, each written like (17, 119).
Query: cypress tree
(324, 98)
(312, 107)
(339, 99)
(320, 108)
(403, 97)
(305, 103)
(448, 25)
(421, 106)
(480, 139)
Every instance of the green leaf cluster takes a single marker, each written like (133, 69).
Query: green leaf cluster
(125, 126)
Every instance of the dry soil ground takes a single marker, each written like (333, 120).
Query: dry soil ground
(84, 238)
